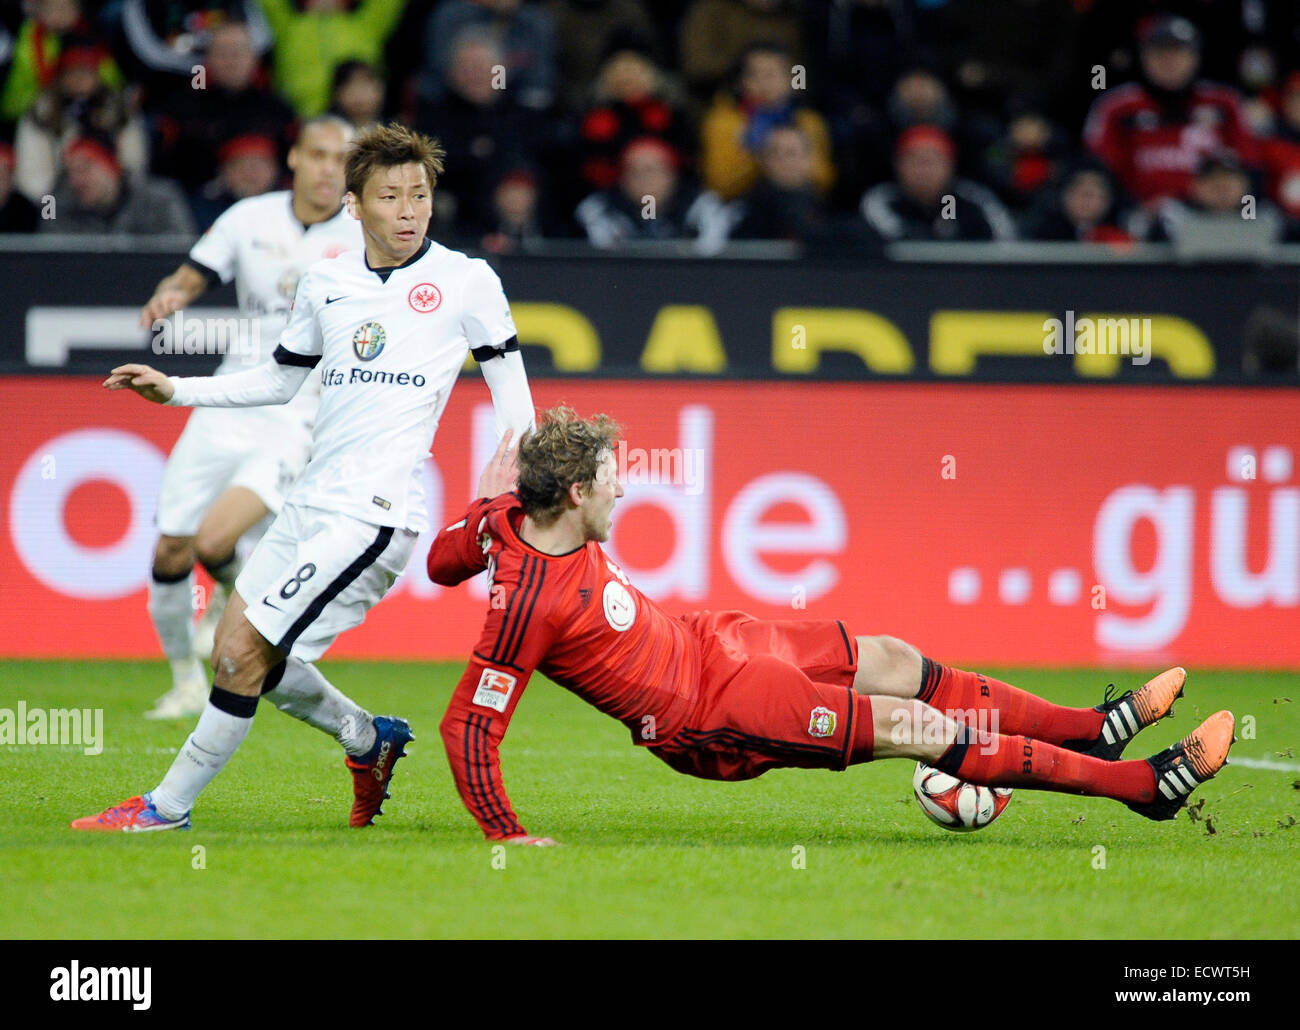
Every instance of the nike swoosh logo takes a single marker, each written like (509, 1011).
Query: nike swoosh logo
(270, 605)
(331, 300)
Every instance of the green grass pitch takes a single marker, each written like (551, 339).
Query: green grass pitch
(648, 852)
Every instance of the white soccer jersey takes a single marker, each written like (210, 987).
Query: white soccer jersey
(260, 243)
(389, 345)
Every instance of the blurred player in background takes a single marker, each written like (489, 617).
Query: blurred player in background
(390, 328)
(230, 468)
(724, 696)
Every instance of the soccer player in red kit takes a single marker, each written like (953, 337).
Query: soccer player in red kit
(724, 696)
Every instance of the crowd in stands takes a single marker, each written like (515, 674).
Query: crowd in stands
(839, 124)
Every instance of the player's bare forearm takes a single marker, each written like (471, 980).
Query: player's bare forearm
(180, 288)
(148, 382)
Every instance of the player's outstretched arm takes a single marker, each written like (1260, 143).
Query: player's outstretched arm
(269, 383)
(274, 381)
(148, 382)
(182, 287)
(516, 637)
(472, 730)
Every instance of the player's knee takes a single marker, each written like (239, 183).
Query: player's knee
(173, 556)
(213, 548)
(900, 655)
(240, 661)
(888, 658)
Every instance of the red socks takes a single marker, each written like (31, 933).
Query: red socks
(1018, 761)
(1018, 711)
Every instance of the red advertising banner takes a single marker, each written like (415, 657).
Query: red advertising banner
(1022, 524)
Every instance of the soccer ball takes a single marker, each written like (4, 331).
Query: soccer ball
(955, 804)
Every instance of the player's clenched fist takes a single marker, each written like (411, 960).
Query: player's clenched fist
(148, 382)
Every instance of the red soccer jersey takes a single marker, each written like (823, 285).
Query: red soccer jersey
(1155, 153)
(576, 618)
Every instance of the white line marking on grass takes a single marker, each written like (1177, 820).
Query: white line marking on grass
(1264, 763)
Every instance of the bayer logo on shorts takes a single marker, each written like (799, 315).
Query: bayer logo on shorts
(368, 340)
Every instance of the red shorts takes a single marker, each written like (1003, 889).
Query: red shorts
(772, 695)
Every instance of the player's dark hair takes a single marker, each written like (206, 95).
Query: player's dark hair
(564, 449)
(388, 146)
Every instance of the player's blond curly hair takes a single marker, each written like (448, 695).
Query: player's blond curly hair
(564, 449)
(387, 146)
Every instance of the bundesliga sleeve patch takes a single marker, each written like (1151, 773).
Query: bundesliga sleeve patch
(494, 690)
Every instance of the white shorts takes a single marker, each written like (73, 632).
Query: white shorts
(225, 447)
(316, 573)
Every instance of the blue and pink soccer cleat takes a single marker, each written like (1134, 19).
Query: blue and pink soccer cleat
(134, 815)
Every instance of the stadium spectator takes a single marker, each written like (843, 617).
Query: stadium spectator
(17, 213)
(313, 37)
(358, 94)
(715, 34)
(1085, 209)
(1027, 158)
(516, 213)
(486, 130)
(1154, 133)
(737, 124)
(653, 202)
(524, 34)
(35, 60)
(787, 205)
(1238, 39)
(78, 102)
(919, 97)
(95, 198)
(1280, 153)
(167, 39)
(927, 201)
(192, 125)
(246, 167)
(633, 98)
(1219, 202)
(586, 31)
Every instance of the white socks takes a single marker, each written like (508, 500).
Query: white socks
(307, 695)
(302, 692)
(171, 606)
(205, 753)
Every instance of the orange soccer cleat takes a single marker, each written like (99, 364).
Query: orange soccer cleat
(1189, 763)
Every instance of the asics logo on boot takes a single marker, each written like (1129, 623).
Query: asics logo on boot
(381, 761)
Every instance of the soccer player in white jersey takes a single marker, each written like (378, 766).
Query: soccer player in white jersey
(230, 468)
(390, 329)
